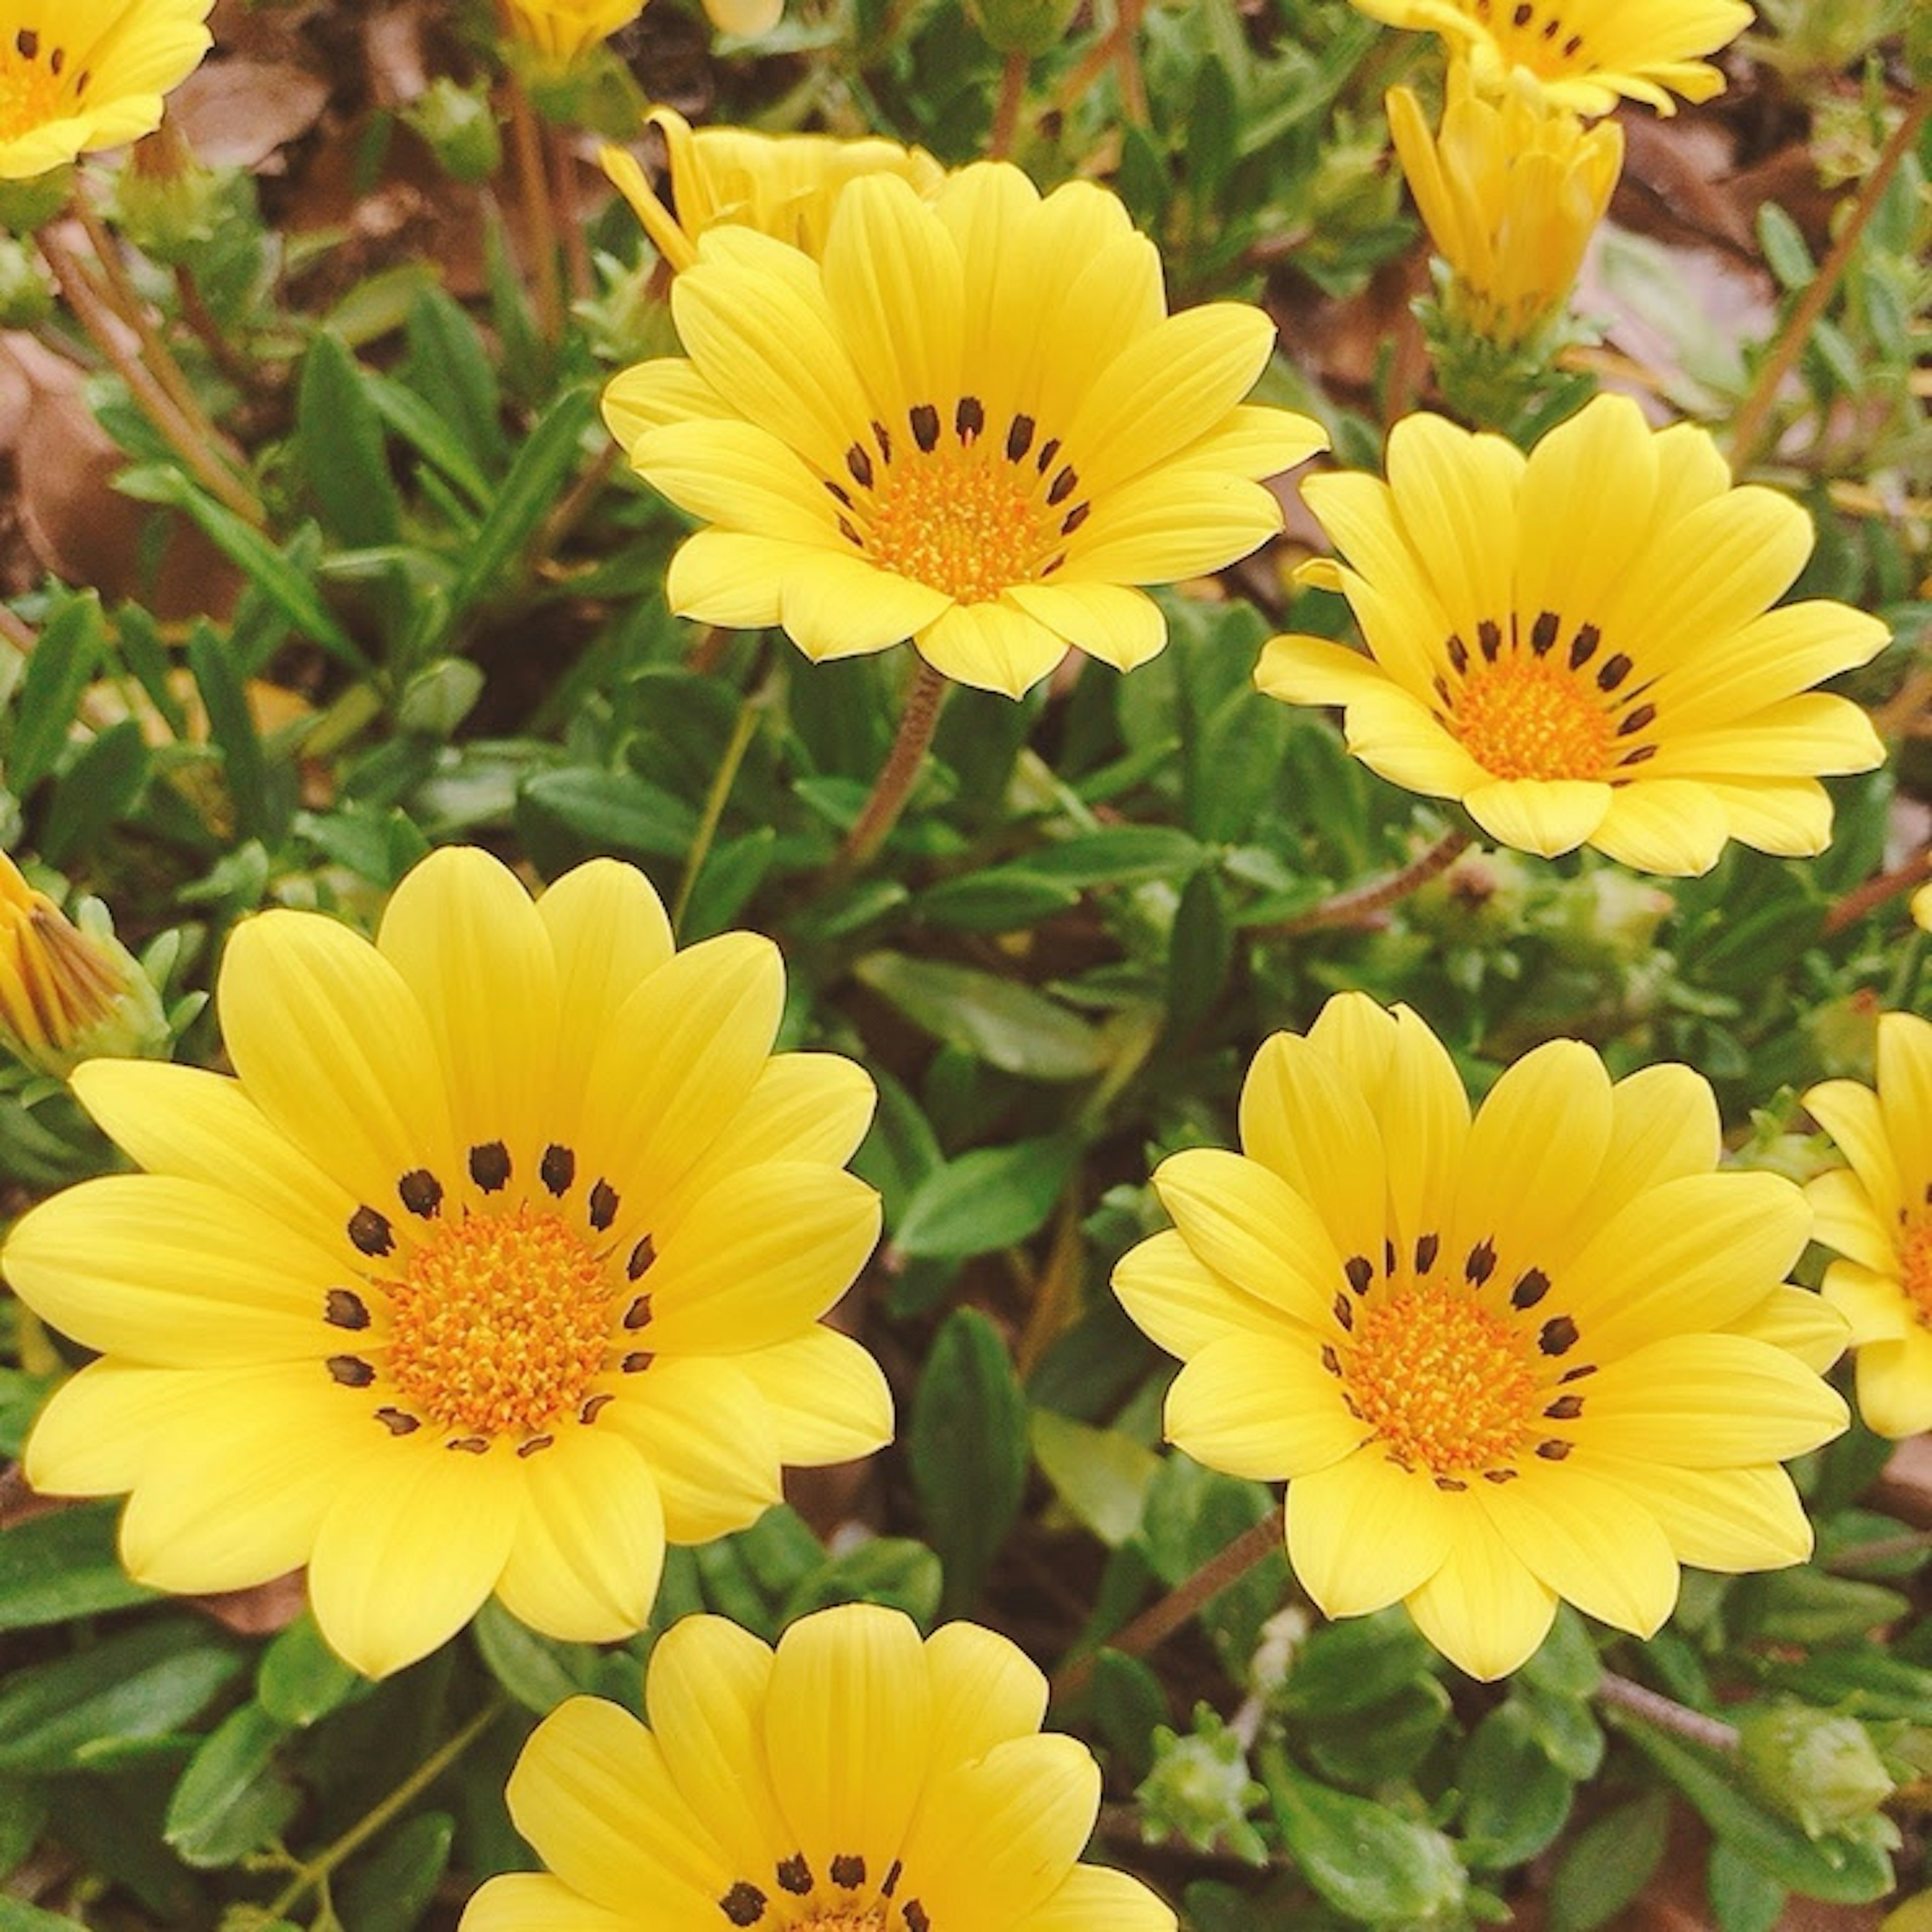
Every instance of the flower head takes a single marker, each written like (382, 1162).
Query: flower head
(66, 992)
(783, 185)
(859, 1781)
(1583, 53)
(1877, 1214)
(76, 75)
(1512, 191)
(1579, 646)
(974, 423)
(1546, 1352)
(558, 33)
(502, 1260)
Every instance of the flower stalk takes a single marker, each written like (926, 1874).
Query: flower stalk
(894, 785)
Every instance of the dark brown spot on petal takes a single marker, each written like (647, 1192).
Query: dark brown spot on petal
(1645, 714)
(849, 531)
(343, 1308)
(603, 1205)
(351, 1371)
(1064, 484)
(1489, 637)
(1577, 1374)
(892, 1884)
(883, 438)
(638, 1313)
(422, 1193)
(1426, 1248)
(1459, 654)
(594, 1408)
(1360, 1271)
(642, 1256)
(838, 489)
(1344, 1311)
(1542, 632)
(969, 418)
(637, 1362)
(1019, 438)
(28, 42)
(916, 1917)
(848, 1870)
(557, 1169)
(925, 421)
(1553, 1450)
(536, 1442)
(1532, 1285)
(860, 464)
(1075, 518)
(1499, 1475)
(1331, 1360)
(1525, 13)
(370, 1231)
(1583, 645)
(744, 1904)
(1565, 1408)
(794, 1874)
(1481, 1263)
(1613, 671)
(470, 1445)
(398, 1421)
(1449, 1483)
(490, 1165)
(1637, 755)
(1558, 1337)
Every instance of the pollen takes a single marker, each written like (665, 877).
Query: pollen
(1448, 1386)
(499, 1324)
(1524, 717)
(1915, 1268)
(961, 516)
(31, 94)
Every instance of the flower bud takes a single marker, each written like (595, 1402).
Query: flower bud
(1200, 1790)
(1028, 27)
(1817, 1767)
(459, 126)
(34, 201)
(26, 294)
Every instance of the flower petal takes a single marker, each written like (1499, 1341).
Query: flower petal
(991, 646)
(1483, 1610)
(1091, 1898)
(708, 1443)
(986, 1691)
(1121, 626)
(1730, 1520)
(1674, 827)
(1346, 1571)
(535, 1902)
(1180, 1302)
(1546, 816)
(827, 1399)
(1261, 1409)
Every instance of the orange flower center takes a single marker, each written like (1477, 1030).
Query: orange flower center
(1449, 1387)
(1542, 35)
(1524, 717)
(30, 89)
(1915, 1268)
(968, 507)
(499, 1322)
(872, 1919)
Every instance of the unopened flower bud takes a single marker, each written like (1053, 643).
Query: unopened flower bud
(170, 214)
(34, 201)
(1610, 915)
(26, 294)
(1200, 1789)
(1817, 1767)
(68, 992)
(1027, 27)
(460, 127)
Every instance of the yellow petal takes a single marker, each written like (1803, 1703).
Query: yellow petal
(986, 1691)
(720, 577)
(827, 1399)
(1731, 1520)
(1346, 1572)
(991, 646)
(1180, 1302)
(1803, 1324)
(1546, 816)
(1261, 1409)
(1674, 827)
(535, 1902)
(708, 1445)
(1895, 1385)
(834, 604)
(1851, 1114)
(1483, 1610)
(1872, 1302)
(1120, 626)
(1091, 1898)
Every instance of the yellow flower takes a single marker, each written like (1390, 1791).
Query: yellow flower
(859, 1781)
(783, 185)
(501, 1261)
(1921, 908)
(66, 993)
(1546, 1353)
(1579, 647)
(1877, 1214)
(1511, 193)
(973, 423)
(76, 75)
(1583, 53)
(560, 32)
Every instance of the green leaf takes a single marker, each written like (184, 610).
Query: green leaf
(1199, 952)
(449, 367)
(990, 1197)
(1128, 1701)
(1004, 899)
(539, 1672)
(1100, 1474)
(1514, 1800)
(417, 423)
(1119, 855)
(893, 1571)
(1608, 1863)
(1863, 1680)
(1344, 1666)
(968, 1448)
(1378, 1745)
(63, 659)
(391, 1889)
(1010, 1027)
(142, 1683)
(1807, 1607)
(1783, 245)
(300, 1678)
(340, 446)
(97, 790)
(1743, 1899)
(232, 728)
(1365, 1859)
(1213, 123)
(63, 1565)
(23, 1816)
(229, 1801)
(17, 1915)
(564, 814)
(1837, 1869)
(544, 462)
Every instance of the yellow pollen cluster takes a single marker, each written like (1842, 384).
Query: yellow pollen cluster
(1447, 1385)
(30, 92)
(1524, 717)
(499, 1324)
(868, 1919)
(962, 519)
(1914, 1267)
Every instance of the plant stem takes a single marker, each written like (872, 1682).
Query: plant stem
(1666, 1714)
(1127, 58)
(895, 782)
(1159, 1621)
(742, 732)
(314, 1871)
(226, 357)
(187, 441)
(1006, 113)
(539, 220)
(1360, 904)
(1853, 906)
(576, 249)
(1749, 428)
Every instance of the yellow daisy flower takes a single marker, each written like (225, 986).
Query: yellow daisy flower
(1583, 53)
(1511, 192)
(1921, 908)
(859, 1781)
(1877, 1214)
(560, 32)
(64, 993)
(783, 185)
(1579, 646)
(77, 75)
(502, 1260)
(1546, 1352)
(973, 423)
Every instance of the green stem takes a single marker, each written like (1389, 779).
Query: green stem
(1666, 1714)
(1361, 903)
(316, 1871)
(1007, 114)
(895, 782)
(742, 732)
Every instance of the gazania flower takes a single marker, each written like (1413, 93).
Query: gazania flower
(501, 1261)
(1578, 646)
(560, 32)
(973, 423)
(76, 75)
(66, 992)
(859, 1781)
(1546, 1353)
(783, 185)
(1877, 1214)
(1583, 53)
(1511, 192)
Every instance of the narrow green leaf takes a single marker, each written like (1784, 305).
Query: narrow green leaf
(97, 789)
(418, 425)
(1608, 1863)
(989, 1198)
(539, 1672)
(1120, 855)
(63, 659)
(449, 367)
(63, 1565)
(1100, 1474)
(597, 811)
(391, 1889)
(229, 1802)
(340, 446)
(1010, 1027)
(1002, 900)
(232, 728)
(300, 1678)
(968, 1446)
